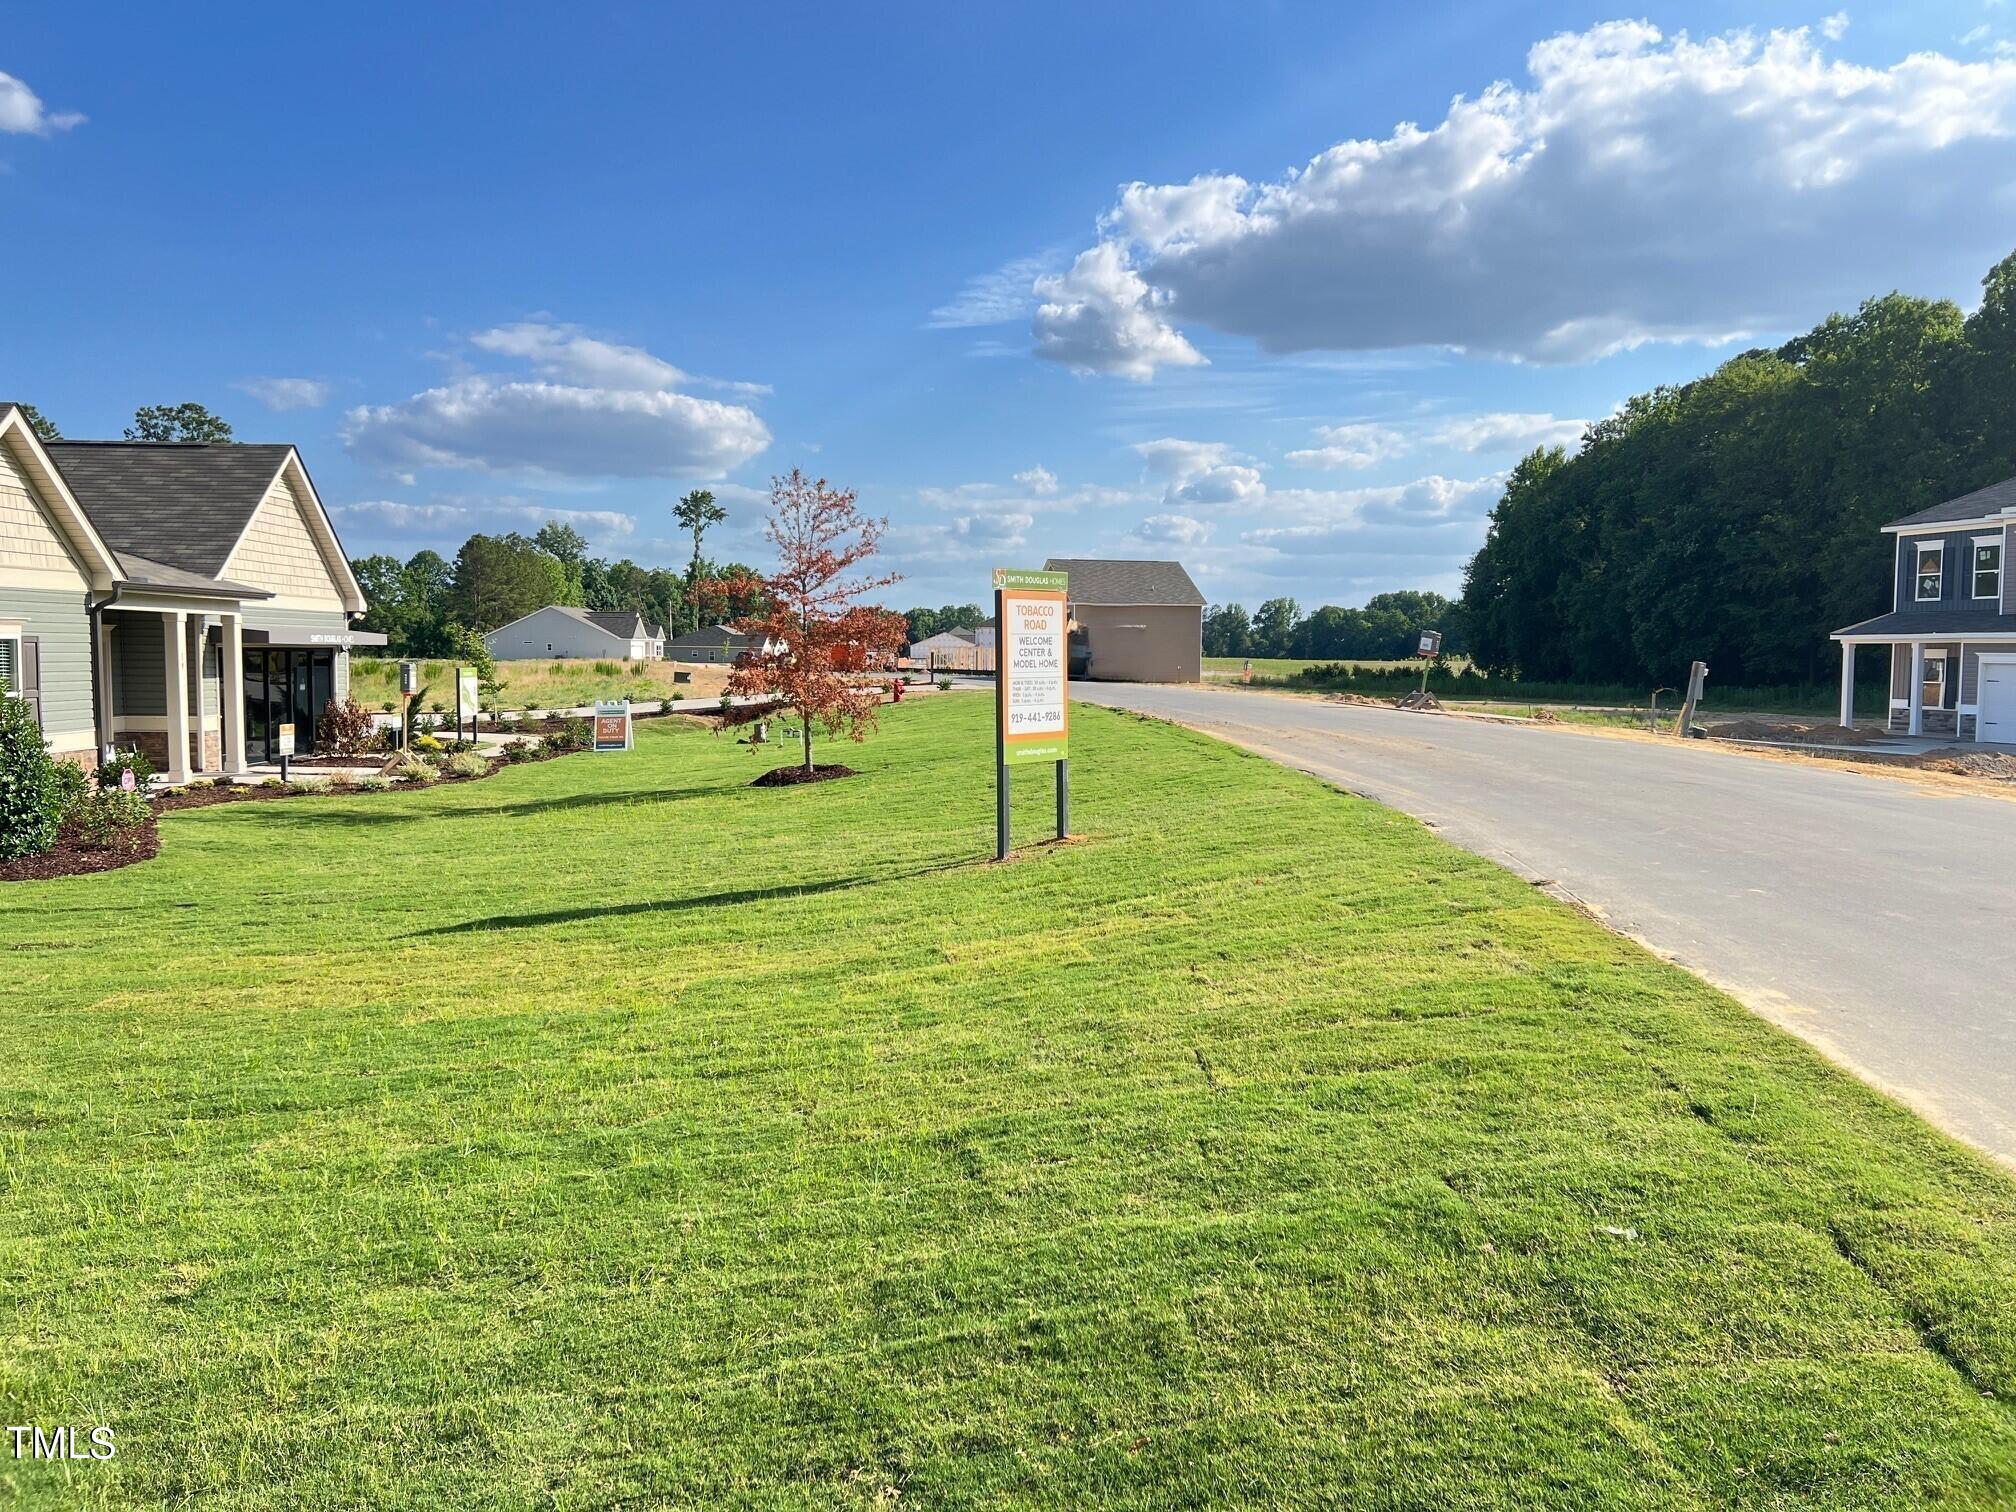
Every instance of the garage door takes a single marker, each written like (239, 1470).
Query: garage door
(1997, 719)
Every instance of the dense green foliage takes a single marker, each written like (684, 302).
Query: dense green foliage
(177, 422)
(31, 796)
(619, 1135)
(1738, 519)
(1389, 625)
(1471, 681)
(493, 580)
(925, 622)
(41, 424)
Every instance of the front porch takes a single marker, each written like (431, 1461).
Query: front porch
(1937, 687)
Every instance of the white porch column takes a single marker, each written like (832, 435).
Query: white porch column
(1847, 685)
(231, 692)
(1917, 688)
(198, 634)
(175, 691)
(105, 676)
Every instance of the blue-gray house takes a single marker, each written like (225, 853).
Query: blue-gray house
(1951, 628)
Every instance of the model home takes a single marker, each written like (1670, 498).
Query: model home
(564, 631)
(1951, 629)
(188, 599)
(1133, 621)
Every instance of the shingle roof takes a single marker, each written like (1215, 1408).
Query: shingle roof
(1097, 580)
(1915, 624)
(1992, 500)
(141, 572)
(627, 623)
(182, 504)
(709, 635)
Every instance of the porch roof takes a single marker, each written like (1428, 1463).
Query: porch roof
(1933, 624)
(158, 577)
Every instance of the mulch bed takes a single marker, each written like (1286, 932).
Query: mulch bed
(66, 858)
(792, 775)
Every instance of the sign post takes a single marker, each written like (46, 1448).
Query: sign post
(1032, 701)
(409, 685)
(612, 726)
(285, 732)
(1428, 650)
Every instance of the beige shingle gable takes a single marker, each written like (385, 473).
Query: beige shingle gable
(279, 553)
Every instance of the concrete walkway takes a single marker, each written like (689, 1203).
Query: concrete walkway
(1872, 915)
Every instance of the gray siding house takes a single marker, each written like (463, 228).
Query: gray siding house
(1133, 621)
(155, 588)
(710, 643)
(564, 631)
(1951, 629)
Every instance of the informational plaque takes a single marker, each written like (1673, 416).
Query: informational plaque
(1035, 707)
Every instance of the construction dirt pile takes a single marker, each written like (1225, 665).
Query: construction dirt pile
(1791, 732)
(1426, 702)
(1360, 699)
(1993, 764)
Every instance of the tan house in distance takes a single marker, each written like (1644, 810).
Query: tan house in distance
(1133, 621)
(156, 590)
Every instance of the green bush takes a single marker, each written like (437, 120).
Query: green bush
(104, 819)
(519, 751)
(31, 792)
(371, 782)
(606, 669)
(134, 761)
(72, 783)
(467, 764)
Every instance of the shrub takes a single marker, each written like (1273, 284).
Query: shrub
(637, 669)
(727, 704)
(311, 784)
(111, 773)
(676, 698)
(558, 669)
(31, 792)
(573, 735)
(419, 774)
(428, 745)
(346, 727)
(520, 751)
(467, 764)
(373, 783)
(105, 818)
(605, 669)
(72, 783)
(944, 685)
(438, 707)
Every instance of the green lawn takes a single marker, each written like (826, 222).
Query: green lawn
(611, 1133)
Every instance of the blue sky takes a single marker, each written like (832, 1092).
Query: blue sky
(486, 267)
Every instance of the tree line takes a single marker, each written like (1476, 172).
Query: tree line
(1738, 519)
(1388, 627)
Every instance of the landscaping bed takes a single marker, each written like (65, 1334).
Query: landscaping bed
(794, 776)
(626, 1137)
(72, 856)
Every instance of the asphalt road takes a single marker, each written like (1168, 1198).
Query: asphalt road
(1873, 916)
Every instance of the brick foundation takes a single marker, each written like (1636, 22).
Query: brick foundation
(153, 745)
(85, 759)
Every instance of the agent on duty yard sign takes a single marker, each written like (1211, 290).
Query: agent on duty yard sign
(1032, 702)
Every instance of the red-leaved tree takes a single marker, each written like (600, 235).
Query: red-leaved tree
(816, 645)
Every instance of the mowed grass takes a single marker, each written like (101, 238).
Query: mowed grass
(611, 1133)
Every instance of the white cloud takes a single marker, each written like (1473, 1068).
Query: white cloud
(1038, 480)
(286, 393)
(1201, 473)
(1101, 317)
(1431, 516)
(22, 111)
(484, 515)
(1006, 294)
(1174, 530)
(566, 353)
(1358, 444)
(1835, 27)
(601, 410)
(1638, 188)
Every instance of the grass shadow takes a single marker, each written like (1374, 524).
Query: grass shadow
(728, 898)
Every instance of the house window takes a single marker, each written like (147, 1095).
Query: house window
(1988, 567)
(1931, 570)
(1933, 694)
(10, 664)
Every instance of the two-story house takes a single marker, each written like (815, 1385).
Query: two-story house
(1951, 628)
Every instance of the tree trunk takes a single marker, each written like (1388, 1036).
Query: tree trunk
(808, 741)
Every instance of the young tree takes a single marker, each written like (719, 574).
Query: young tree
(177, 422)
(818, 643)
(696, 512)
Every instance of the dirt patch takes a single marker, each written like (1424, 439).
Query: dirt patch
(1997, 765)
(1426, 703)
(792, 775)
(1360, 700)
(1792, 731)
(67, 858)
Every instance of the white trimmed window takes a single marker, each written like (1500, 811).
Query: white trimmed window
(1933, 694)
(10, 662)
(1987, 567)
(1931, 570)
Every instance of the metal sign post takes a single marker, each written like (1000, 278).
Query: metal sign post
(1032, 703)
(467, 694)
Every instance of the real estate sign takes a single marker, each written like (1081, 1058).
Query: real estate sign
(1033, 703)
(612, 726)
(284, 734)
